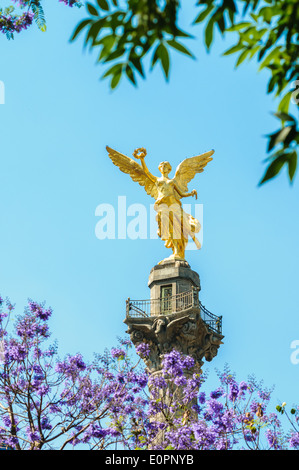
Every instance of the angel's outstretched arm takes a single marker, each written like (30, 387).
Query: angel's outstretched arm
(182, 194)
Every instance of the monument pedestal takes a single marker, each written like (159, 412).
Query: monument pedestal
(173, 317)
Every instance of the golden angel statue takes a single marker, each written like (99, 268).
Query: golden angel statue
(174, 224)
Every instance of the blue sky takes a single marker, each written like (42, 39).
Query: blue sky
(57, 119)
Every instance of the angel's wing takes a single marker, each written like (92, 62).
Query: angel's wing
(128, 165)
(188, 168)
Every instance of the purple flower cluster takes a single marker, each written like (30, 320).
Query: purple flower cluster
(11, 23)
(15, 24)
(118, 353)
(113, 401)
(71, 366)
(176, 364)
(41, 313)
(143, 350)
(294, 440)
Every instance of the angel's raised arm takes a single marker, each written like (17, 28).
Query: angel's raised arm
(146, 170)
(138, 173)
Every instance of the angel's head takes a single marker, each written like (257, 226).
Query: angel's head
(165, 168)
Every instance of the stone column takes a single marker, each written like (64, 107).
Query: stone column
(178, 322)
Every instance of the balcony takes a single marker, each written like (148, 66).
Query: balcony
(173, 304)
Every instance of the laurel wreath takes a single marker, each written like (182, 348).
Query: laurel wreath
(139, 153)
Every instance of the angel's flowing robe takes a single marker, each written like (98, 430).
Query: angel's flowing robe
(175, 225)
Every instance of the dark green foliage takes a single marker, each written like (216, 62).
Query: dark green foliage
(127, 35)
(127, 32)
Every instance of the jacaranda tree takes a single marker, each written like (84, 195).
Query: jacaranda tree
(49, 403)
(13, 21)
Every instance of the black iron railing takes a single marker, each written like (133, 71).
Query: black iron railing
(172, 304)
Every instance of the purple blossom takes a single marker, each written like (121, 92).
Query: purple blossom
(233, 391)
(15, 24)
(33, 435)
(15, 351)
(108, 402)
(45, 423)
(118, 353)
(39, 311)
(272, 438)
(142, 379)
(202, 398)
(176, 364)
(294, 440)
(71, 366)
(143, 350)
(243, 385)
(6, 421)
(214, 406)
(216, 393)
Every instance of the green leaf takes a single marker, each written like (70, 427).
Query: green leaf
(285, 117)
(113, 70)
(292, 165)
(79, 28)
(93, 32)
(284, 104)
(254, 16)
(242, 57)
(113, 84)
(275, 52)
(115, 54)
(136, 62)
(232, 50)
(161, 53)
(179, 47)
(155, 56)
(272, 139)
(221, 24)
(104, 4)
(164, 57)
(237, 27)
(92, 10)
(202, 16)
(209, 32)
(108, 41)
(39, 16)
(253, 51)
(130, 74)
(275, 79)
(266, 13)
(273, 169)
